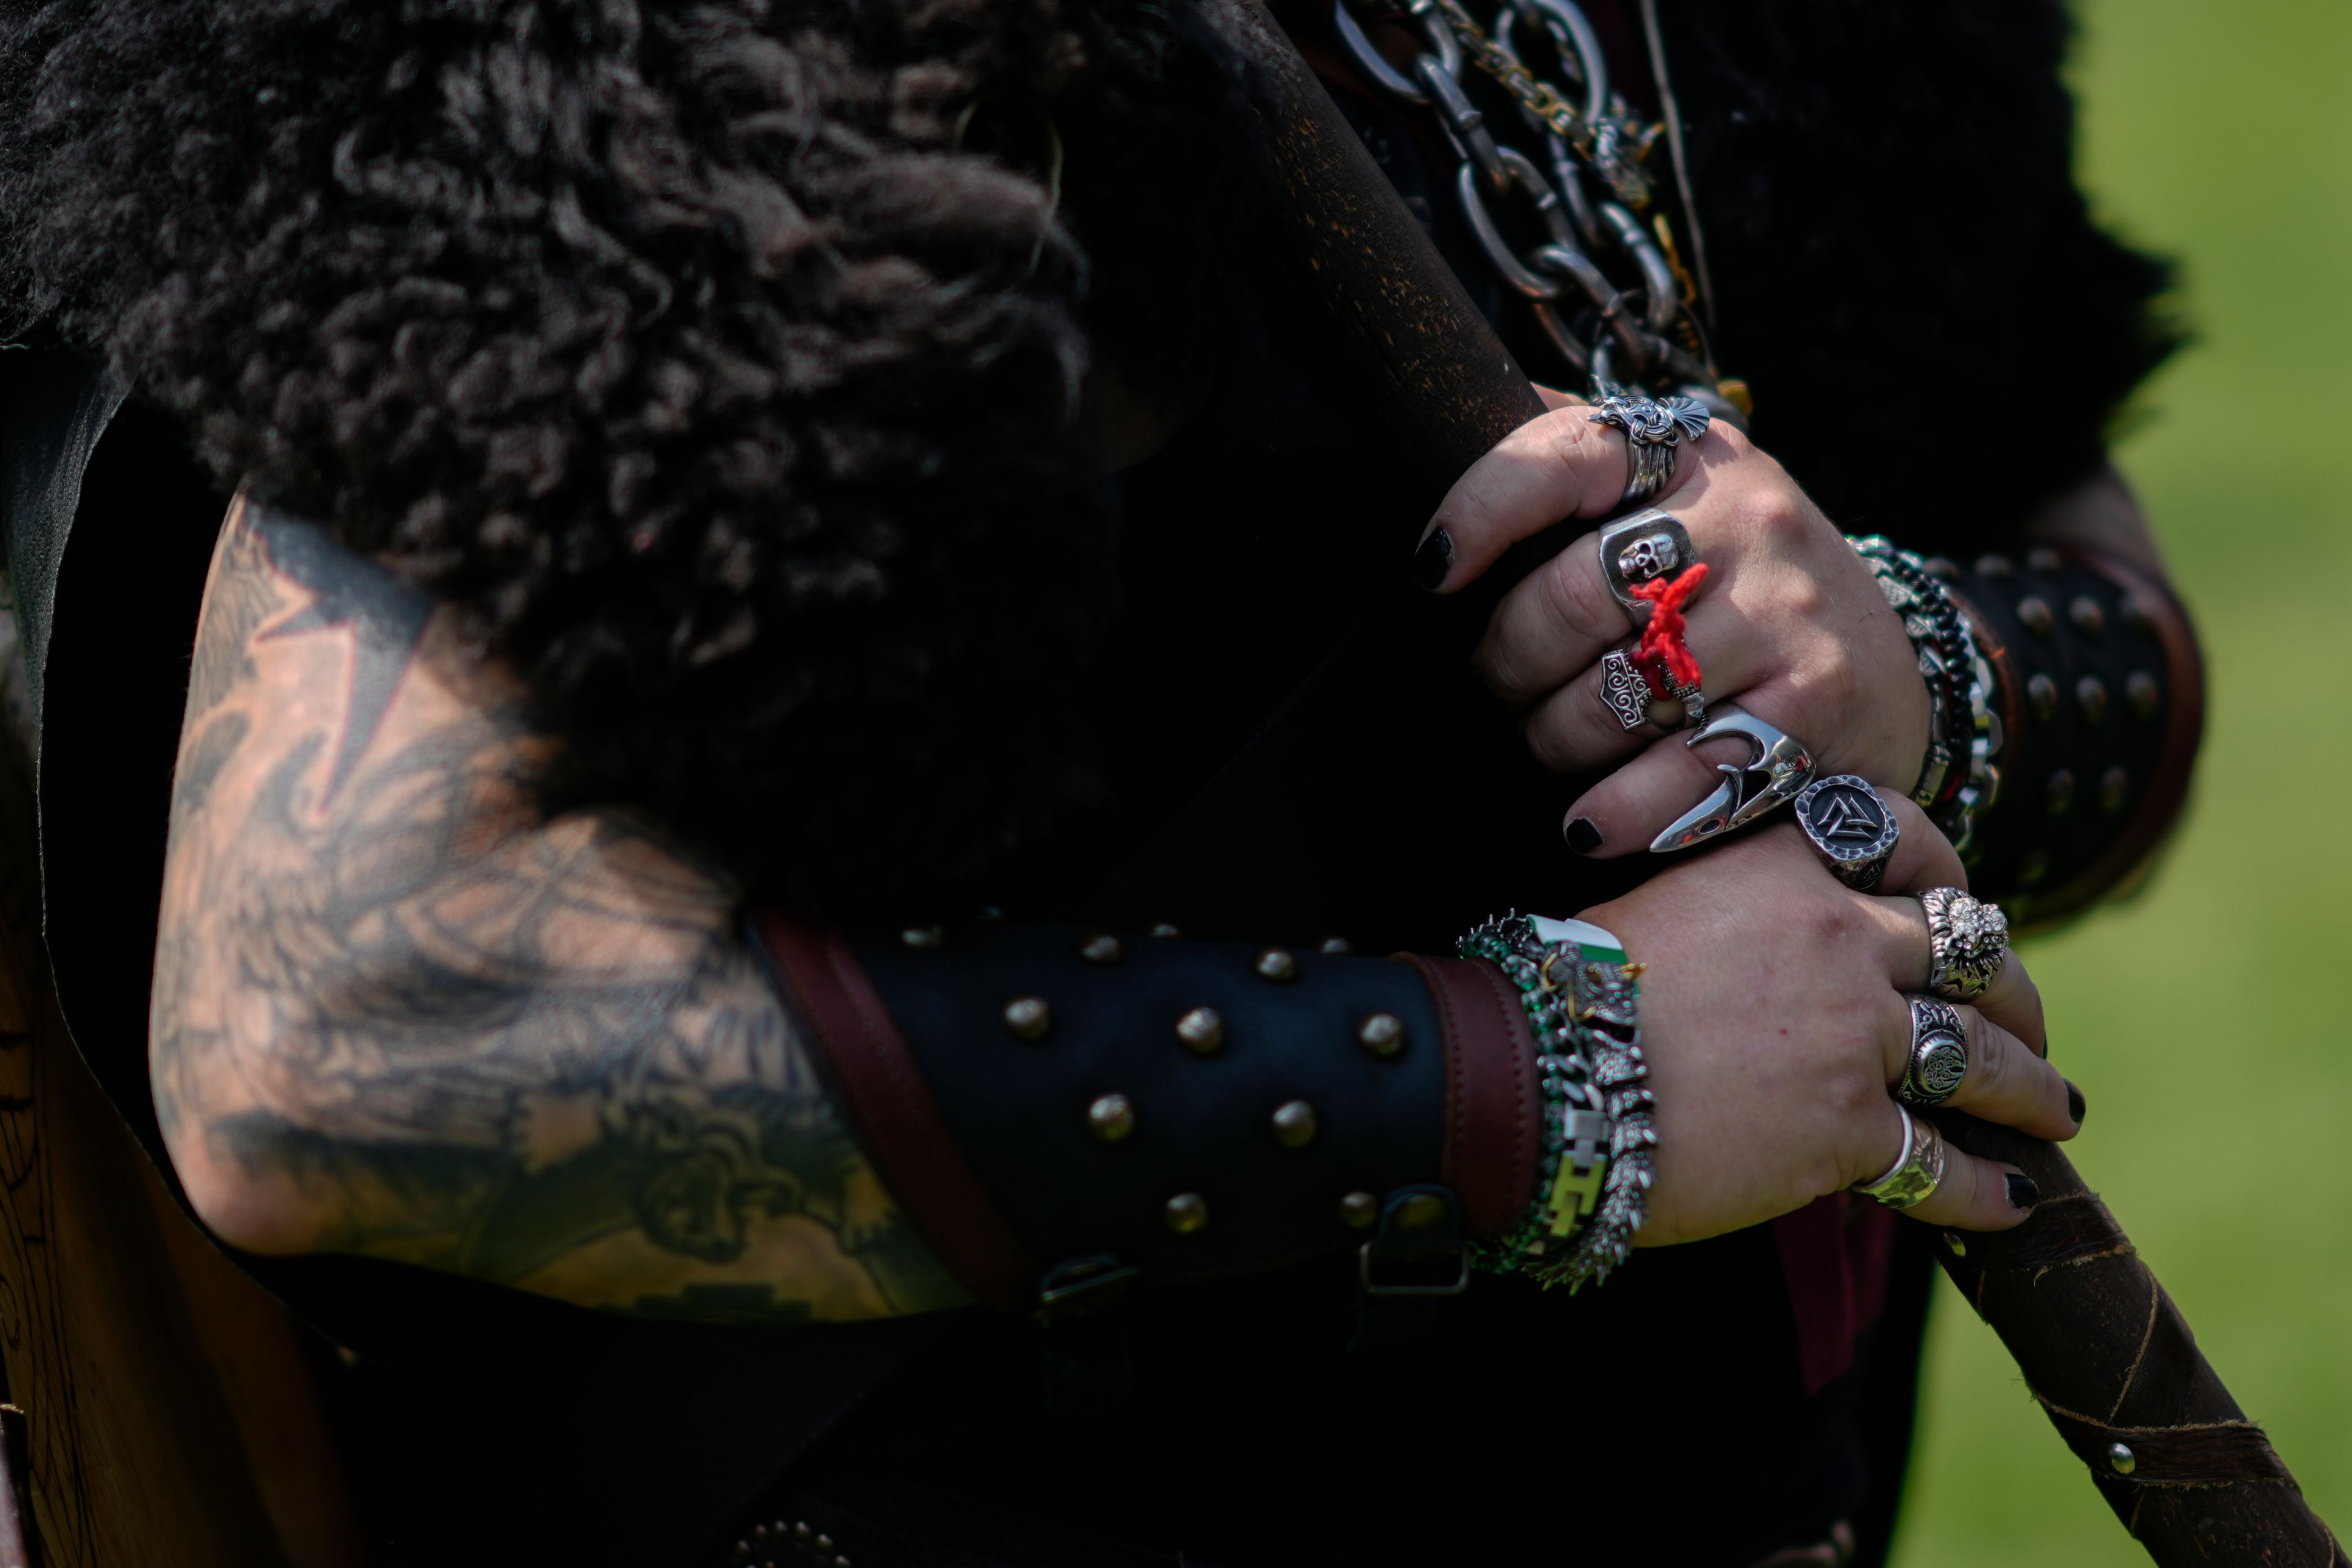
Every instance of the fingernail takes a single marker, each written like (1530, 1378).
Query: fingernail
(1582, 837)
(2023, 1193)
(2074, 1104)
(1434, 560)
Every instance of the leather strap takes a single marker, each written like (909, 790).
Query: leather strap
(2207, 1454)
(2065, 1230)
(898, 1124)
(1493, 1113)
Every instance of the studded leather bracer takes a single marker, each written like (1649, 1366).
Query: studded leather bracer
(2099, 693)
(1055, 1108)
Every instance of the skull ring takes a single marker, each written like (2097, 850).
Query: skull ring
(1633, 549)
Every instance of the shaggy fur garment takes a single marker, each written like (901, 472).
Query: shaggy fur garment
(1939, 335)
(731, 372)
(705, 348)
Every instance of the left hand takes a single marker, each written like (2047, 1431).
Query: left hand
(1790, 623)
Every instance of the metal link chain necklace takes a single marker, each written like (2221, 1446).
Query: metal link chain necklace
(1585, 200)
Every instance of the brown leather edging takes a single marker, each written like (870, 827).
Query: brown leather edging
(898, 1124)
(2075, 1229)
(2208, 1454)
(2160, 807)
(1493, 1117)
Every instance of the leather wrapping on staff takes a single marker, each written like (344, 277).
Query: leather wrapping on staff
(1458, 1103)
(2051, 846)
(2219, 1453)
(2107, 1353)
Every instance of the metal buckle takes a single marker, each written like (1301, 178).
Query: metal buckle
(1373, 1288)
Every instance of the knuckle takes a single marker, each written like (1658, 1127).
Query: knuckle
(1571, 439)
(1774, 517)
(1806, 599)
(1577, 600)
(1733, 444)
(1858, 1095)
(1990, 1071)
(1963, 1189)
(1830, 1174)
(1833, 687)
(1501, 663)
(1550, 741)
(1835, 923)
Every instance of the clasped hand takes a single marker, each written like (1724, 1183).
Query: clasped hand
(1774, 1013)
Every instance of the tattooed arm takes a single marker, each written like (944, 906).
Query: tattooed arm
(398, 1011)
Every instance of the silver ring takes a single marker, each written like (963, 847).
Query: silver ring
(1635, 549)
(1654, 428)
(1939, 1055)
(1917, 1171)
(1627, 695)
(1775, 774)
(1968, 942)
(1852, 830)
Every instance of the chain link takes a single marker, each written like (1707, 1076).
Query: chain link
(1602, 141)
(1639, 334)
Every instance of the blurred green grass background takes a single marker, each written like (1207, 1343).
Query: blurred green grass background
(2207, 1022)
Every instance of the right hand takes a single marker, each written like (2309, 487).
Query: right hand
(1775, 1026)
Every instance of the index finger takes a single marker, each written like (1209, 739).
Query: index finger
(1558, 466)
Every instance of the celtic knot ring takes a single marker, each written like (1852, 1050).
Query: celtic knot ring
(1852, 830)
(1654, 428)
(1968, 942)
(1939, 1055)
(1917, 1171)
(1626, 693)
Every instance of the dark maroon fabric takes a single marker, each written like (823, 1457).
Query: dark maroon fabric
(1838, 1254)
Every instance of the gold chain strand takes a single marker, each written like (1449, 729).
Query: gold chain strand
(1540, 96)
(1621, 166)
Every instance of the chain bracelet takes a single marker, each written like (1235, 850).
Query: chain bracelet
(1597, 1165)
(1581, 197)
(1957, 778)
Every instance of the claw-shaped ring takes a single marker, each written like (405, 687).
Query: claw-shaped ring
(1781, 761)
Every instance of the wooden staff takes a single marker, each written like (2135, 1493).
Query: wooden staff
(2100, 1343)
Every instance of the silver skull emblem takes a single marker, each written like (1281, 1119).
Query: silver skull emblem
(1649, 556)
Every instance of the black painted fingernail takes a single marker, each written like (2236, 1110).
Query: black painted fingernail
(1582, 837)
(1434, 560)
(2074, 1104)
(2023, 1193)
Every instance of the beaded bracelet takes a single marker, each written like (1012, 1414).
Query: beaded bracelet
(1580, 1000)
(1957, 777)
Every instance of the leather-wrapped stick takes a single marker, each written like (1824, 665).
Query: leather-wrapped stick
(2099, 1342)
(2120, 1376)
(1447, 386)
